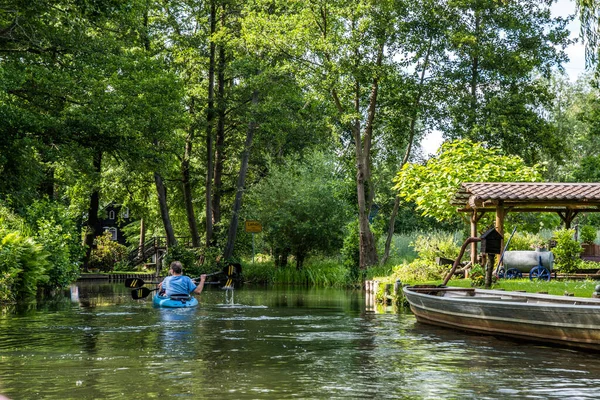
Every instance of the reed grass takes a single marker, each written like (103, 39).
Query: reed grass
(401, 250)
(322, 272)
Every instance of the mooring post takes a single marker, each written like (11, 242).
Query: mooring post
(397, 287)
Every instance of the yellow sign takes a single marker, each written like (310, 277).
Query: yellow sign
(253, 226)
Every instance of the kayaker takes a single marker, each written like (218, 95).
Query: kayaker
(178, 284)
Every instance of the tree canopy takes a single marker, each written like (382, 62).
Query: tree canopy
(432, 186)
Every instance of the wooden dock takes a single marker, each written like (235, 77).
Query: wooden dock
(115, 277)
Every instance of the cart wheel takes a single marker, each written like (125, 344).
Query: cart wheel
(500, 273)
(513, 273)
(540, 273)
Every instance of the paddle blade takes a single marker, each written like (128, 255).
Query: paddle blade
(134, 283)
(141, 293)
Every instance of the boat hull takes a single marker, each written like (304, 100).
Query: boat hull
(167, 302)
(567, 321)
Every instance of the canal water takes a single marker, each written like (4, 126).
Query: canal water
(95, 342)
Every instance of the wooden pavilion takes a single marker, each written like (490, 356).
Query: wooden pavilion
(565, 199)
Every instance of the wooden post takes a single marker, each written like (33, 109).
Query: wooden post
(474, 220)
(489, 269)
(500, 221)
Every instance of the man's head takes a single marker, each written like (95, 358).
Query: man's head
(176, 267)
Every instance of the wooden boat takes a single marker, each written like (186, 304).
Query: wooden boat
(174, 301)
(553, 320)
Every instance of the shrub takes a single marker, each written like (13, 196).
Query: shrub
(22, 265)
(23, 262)
(436, 244)
(58, 234)
(567, 251)
(588, 234)
(418, 271)
(477, 276)
(107, 253)
(526, 241)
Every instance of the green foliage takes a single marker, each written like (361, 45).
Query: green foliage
(418, 271)
(526, 241)
(188, 257)
(437, 244)
(260, 272)
(22, 265)
(351, 249)
(299, 207)
(107, 253)
(432, 186)
(588, 234)
(56, 231)
(23, 262)
(401, 249)
(429, 246)
(567, 251)
(316, 272)
(477, 276)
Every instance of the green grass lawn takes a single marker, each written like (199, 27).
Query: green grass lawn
(583, 288)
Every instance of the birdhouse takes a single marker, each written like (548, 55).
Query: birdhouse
(491, 242)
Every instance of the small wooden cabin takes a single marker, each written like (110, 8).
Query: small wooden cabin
(112, 218)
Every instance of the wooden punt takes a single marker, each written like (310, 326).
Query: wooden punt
(553, 320)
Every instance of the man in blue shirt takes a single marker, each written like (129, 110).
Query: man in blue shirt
(179, 284)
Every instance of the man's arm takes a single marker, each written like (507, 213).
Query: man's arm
(200, 286)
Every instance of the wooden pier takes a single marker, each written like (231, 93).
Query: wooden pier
(116, 277)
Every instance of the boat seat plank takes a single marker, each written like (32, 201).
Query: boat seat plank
(442, 289)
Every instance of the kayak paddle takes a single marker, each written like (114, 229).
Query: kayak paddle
(141, 293)
(229, 271)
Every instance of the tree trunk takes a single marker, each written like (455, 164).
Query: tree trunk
(390, 233)
(142, 240)
(92, 222)
(161, 192)
(416, 104)
(220, 143)
(364, 188)
(210, 116)
(237, 205)
(474, 74)
(187, 185)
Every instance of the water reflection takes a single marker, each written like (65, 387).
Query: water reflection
(268, 343)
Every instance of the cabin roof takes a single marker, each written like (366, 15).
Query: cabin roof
(528, 196)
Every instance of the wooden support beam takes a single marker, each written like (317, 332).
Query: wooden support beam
(500, 213)
(475, 217)
(532, 209)
(568, 216)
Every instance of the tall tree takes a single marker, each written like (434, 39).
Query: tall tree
(344, 49)
(502, 55)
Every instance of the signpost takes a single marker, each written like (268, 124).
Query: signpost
(253, 227)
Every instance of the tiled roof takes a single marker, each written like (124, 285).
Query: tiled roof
(528, 194)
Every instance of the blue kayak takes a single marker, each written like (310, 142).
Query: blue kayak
(175, 301)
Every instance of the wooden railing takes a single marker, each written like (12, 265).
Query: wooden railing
(155, 245)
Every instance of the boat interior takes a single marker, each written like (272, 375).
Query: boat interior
(501, 295)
